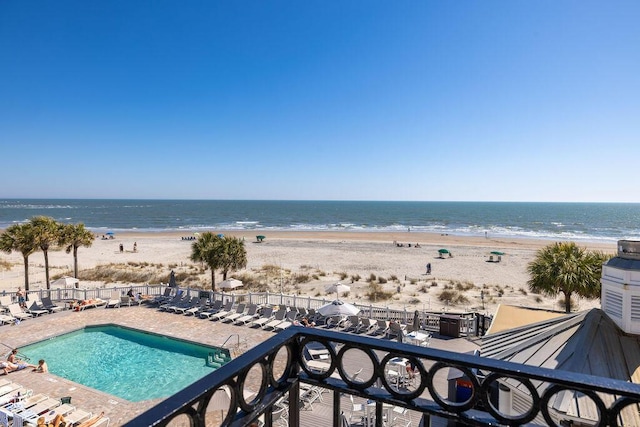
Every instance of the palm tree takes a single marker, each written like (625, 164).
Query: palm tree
(72, 237)
(46, 233)
(20, 238)
(234, 256)
(208, 249)
(563, 267)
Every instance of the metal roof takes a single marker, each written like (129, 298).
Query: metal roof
(588, 342)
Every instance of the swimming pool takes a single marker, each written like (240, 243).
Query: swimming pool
(125, 362)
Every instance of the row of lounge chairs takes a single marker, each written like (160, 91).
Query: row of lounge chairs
(13, 312)
(273, 318)
(19, 407)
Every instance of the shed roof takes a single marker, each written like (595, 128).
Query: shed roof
(587, 342)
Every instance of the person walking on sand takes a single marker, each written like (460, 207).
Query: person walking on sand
(135, 246)
(121, 248)
(428, 268)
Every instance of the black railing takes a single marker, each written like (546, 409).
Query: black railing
(284, 367)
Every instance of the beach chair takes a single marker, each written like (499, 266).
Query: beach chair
(160, 299)
(200, 305)
(366, 326)
(236, 315)
(351, 323)
(63, 410)
(36, 309)
(77, 416)
(114, 300)
(215, 307)
(288, 321)
(227, 309)
(17, 312)
(185, 304)
(49, 305)
(184, 301)
(173, 301)
(381, 328)
(36, 410)
(266, 316)
(395, 329)
(6, 319)
(251, 314)
(277, 319)
(5, 301)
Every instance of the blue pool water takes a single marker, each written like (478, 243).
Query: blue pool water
(124, 362)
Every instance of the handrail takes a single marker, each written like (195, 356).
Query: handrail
(486, 376)
(228, 338)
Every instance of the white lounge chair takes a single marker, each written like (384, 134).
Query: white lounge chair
(240, 311)
(287, 322)
(215, 307)
(266, 316)
(251, 314)
(17, 312)
(114, 300)
(278, 318)
(228, 309)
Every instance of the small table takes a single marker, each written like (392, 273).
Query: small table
(419, 338)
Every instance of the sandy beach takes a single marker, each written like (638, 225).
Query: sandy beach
(327, 257)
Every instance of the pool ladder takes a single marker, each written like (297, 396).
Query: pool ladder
(238, 347)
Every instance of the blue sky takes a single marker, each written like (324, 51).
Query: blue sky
(345, 100)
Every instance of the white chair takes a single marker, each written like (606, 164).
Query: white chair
(357, 411)
(401, 417)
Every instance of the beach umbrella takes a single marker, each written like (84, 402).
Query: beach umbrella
(110, 233)
(443, 251)
(230, 284)
(416, 320)
(172, 280)
(337, 288)
(497, 253)
(338, 308)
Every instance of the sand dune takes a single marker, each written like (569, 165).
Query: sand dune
(330, 255)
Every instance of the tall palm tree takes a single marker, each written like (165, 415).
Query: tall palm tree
(72, 237)
(208, 249)
(234, 256)
(563, 267)
(47, 233)
(20, 238)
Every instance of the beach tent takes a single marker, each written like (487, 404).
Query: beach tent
(230, 284)
(65, 282)
(442, 252)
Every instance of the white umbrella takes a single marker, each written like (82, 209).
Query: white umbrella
(338, 308)
(65, 282)
(337, 288)
(230, 284)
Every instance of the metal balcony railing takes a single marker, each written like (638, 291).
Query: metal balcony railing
(286, 365)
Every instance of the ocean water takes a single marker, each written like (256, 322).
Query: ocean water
(558, 221)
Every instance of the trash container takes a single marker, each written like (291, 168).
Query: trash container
(450, 326)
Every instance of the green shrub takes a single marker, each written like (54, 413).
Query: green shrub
(355, 278)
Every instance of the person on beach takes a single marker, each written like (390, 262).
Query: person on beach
(91, 421)
(428, 268)
(21, 298)
(42, 367)
(135, 246)
(121, 248)
(130, 293)
(58, 421)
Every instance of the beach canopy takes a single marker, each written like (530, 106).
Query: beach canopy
(443, 251)
(497, 253)
(65, 282)
(338, 308)
(260, 237)
(337, 288)
(230, 284)
(109, 233)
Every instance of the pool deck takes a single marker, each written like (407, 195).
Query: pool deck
(118, 410)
